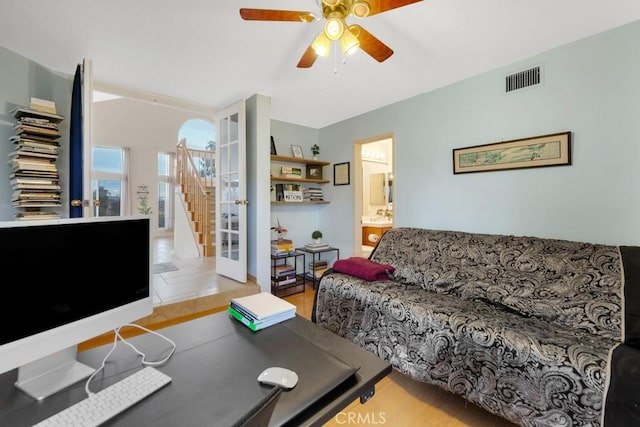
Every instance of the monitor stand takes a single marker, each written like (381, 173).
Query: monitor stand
(51, 374)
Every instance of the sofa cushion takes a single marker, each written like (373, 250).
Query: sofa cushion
(364, 268)
(571, 284)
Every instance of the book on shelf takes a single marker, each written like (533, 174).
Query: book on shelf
(25, 129)
(291, 172)
(25, 216)
(318, 264)
(284, 282)
(283, 254)
(52, 187)
(313, 194)
(29, 142)
(316, 246)
(42, 105)
(35, 204)
(32, 154)
(282, 246)
(35, 138)
(317, 268)
(284, 270)
(285, 276)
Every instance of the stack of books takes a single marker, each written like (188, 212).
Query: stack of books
(284, 274)
(316, 269)
(313, 194)
(282, 247)
(316, 246)
(261, 310)
(34, 175)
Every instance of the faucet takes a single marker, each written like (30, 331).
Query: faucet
(385, 212)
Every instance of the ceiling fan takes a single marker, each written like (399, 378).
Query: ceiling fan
(335, 13)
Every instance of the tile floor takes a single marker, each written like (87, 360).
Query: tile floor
(194, 278)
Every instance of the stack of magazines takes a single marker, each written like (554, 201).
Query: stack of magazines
(261, 310)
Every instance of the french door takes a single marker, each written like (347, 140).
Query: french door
(231, 202)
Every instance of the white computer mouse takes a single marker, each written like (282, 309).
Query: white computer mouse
(277, 376)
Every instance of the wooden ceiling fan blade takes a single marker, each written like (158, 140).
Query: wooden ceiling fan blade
(379, 6)
(308, 58)
(370, 44)
(276, 15)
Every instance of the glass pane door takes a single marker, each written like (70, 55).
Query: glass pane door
(109, 195)
(231, 203)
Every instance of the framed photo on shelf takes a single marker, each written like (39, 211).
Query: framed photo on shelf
(273, 147)
(341, 174)
(296, 150)
(314, 172)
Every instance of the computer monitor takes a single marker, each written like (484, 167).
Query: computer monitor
(66, 281)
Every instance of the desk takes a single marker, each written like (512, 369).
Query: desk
(208, 384)
(310, 275)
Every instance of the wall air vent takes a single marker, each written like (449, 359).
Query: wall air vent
(523, 79)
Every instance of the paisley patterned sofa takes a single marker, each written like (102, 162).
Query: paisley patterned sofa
(521, 326)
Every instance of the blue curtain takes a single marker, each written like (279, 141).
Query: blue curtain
(75, 145)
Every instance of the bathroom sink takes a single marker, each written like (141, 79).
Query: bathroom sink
(378, 223)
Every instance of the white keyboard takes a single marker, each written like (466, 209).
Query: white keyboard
(110, 401)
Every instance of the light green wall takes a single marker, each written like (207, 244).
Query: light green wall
(590, 88)
(22, 79)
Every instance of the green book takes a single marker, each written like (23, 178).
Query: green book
(256, 325)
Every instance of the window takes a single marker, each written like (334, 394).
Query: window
(200, 134)
(200, 137)
(165, 191)
(109, 178)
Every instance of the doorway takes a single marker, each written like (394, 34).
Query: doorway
(373, 192)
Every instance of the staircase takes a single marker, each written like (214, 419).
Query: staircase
(196, 181)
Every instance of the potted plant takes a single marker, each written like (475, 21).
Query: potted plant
(317, 236)
(315, 150)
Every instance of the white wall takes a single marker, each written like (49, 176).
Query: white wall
(590, 88)
(147, 129)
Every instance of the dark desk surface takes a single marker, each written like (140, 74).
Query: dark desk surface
(199, 395)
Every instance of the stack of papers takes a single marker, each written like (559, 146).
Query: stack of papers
(261, 310)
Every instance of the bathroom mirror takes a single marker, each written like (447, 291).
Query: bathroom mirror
(377, 182)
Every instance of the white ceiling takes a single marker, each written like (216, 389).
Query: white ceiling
(202, 51)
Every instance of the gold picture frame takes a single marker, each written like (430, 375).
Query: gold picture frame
(538, 151)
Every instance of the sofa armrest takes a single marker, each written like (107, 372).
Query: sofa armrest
(621, 406)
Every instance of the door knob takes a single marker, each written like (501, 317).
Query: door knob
(76, 203)
(241, 202)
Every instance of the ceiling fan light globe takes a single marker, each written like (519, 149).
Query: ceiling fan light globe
(360, 9)
(334, 28)
(321, 45)
(349, 43)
